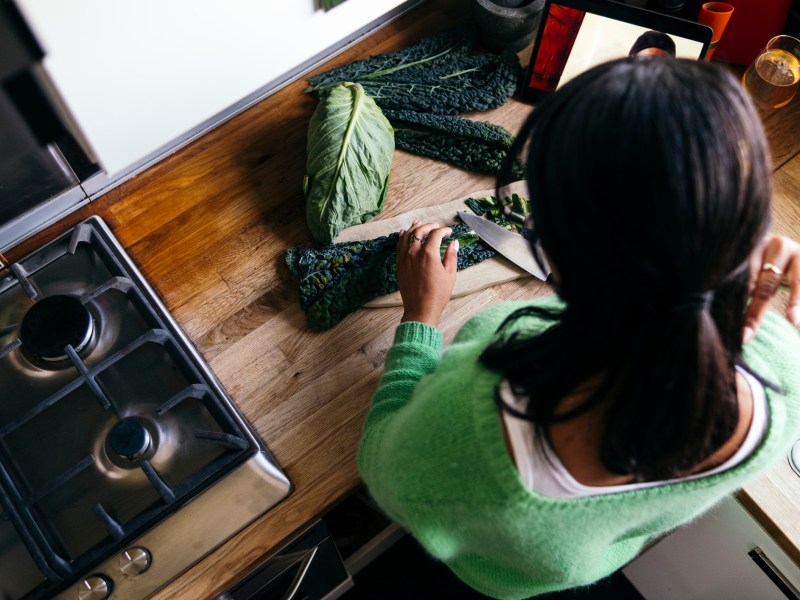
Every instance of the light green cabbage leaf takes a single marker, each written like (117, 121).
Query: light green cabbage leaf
(350, 148)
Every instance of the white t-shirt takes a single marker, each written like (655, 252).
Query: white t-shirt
(543, 472)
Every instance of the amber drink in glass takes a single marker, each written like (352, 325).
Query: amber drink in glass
(773, 77)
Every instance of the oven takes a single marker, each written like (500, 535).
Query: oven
(123, 461)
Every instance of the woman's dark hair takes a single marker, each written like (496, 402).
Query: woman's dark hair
(650, 187)
(653, 39)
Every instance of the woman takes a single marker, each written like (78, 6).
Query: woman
(554, 439)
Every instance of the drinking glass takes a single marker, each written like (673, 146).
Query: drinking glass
(773, 77)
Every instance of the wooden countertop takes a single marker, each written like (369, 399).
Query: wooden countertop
(208, 227)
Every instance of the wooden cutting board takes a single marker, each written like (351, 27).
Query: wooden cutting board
(477, 277)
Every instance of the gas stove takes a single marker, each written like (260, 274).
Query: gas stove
(122, 459)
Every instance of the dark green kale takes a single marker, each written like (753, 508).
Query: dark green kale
(435, 76)
(438, 48)
(338, 279)
(468, 84)
(511, 212)
(472, 145)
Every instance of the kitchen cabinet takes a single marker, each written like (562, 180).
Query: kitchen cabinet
(136, 79)
(723, 554)
(39, 160)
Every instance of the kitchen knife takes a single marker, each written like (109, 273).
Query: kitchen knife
(511, 245)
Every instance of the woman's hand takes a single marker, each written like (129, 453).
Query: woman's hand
(426, 280)
(776, 264)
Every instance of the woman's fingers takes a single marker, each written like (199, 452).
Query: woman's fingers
(434, 237)
(776, 266)
(425, 280)
(450, 260)
(420, 237)
(406, 239)
(792, 279)
(419, 233)
(433, 243)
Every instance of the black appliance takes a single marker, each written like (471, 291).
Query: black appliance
(42, 164)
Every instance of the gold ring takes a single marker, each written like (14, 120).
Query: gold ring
(771, 267)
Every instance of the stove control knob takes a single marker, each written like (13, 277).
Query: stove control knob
(134, 561)
(95, 587)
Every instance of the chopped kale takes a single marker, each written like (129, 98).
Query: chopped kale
(511, 212)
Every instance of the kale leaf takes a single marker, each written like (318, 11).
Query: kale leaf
(435, 75)
(438, 48)
(470, 83)
(340, 278)
(477, 146)
(350, 148)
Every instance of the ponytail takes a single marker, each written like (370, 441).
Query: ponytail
(677, 401)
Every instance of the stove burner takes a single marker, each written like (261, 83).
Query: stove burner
(129, 438)
(52, 323)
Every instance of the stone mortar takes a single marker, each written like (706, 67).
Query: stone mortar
(507, 27)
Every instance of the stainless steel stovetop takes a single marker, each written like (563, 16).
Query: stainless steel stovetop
(122, 459)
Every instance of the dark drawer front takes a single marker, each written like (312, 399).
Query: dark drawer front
(309, 568)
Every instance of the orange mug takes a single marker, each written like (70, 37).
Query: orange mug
(716, 15)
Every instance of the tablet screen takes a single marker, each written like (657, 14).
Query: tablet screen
(576, 35)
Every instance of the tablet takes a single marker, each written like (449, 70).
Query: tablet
(575, 35)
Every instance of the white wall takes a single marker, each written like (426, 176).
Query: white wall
(137, 75)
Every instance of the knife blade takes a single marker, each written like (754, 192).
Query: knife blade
(511, 245)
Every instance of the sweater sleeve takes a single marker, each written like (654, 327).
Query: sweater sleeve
(415, 353)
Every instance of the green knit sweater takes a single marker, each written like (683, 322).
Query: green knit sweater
(433, 457)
